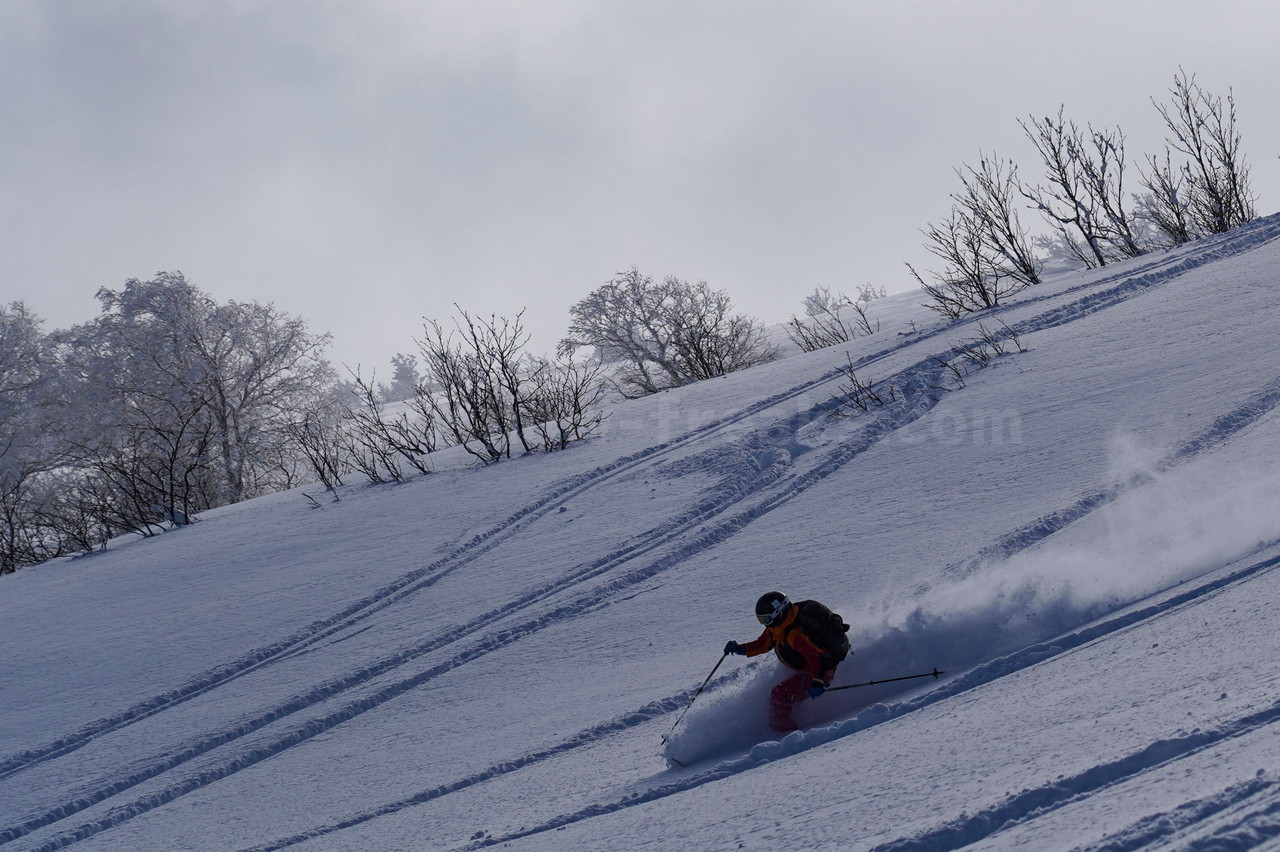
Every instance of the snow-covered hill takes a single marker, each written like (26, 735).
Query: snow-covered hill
(1083, 534)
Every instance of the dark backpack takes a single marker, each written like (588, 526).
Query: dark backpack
(824, 628)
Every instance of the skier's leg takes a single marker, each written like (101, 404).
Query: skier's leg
(783, 698)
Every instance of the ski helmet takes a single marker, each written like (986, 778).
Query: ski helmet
(771, 606)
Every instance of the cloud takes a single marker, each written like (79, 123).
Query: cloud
(367, 164)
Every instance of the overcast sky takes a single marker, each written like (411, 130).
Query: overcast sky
(367, 164)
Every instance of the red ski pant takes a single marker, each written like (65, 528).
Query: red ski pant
(785, 696)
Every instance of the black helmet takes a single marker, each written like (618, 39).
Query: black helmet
(771, 606)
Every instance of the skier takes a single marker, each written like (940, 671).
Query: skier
(808, 638)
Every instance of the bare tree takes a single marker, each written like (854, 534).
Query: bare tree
(469, 405)
(831, 319)
(379, 442)
(1104, 175)
(68, 518)
(481, 387)
(988, 198)
(665, 335)
(24, 498)
(986, 251)
(318, 435)
(483, 392)
(498, 345)
(1166, 206)
(974, 277)
(1084, 195)
(1218, 194)
(858, 393)
(564, 403)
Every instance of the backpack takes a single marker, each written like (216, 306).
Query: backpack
(824, 628)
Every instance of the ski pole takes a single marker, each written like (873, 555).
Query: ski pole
(695, 696)
(933, 674)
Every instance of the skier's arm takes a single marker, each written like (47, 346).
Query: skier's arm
(760, 645)
(812, 654)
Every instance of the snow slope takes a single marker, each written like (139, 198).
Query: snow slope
(1083, 535)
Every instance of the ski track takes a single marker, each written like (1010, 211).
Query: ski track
(1239, 817)
(1032, 804)
(1222, 429)
(770, 448)
(1024, 806)
(1252, 409)
(586, 737)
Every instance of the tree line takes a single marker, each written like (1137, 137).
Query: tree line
(1199, 185)
(169, 403)
(165, 405)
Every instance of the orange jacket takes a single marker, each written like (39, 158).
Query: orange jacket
(792, 646)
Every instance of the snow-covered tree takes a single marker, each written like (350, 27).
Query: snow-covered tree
(189, 400)
(823, 301)
(664, 335)
(26, 455)
(404, 379)
(166, 404)
(867, 293)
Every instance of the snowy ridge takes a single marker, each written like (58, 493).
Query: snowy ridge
(990, 619)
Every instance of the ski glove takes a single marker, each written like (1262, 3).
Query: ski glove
(734, 648)
(816, 688)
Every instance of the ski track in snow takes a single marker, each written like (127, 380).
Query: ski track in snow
(1031, 804)
(1220, 431)
(586, 737)
(1256, 406)
(1239, 817)
(767, 479)
(388, 595)
(1024, 806)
